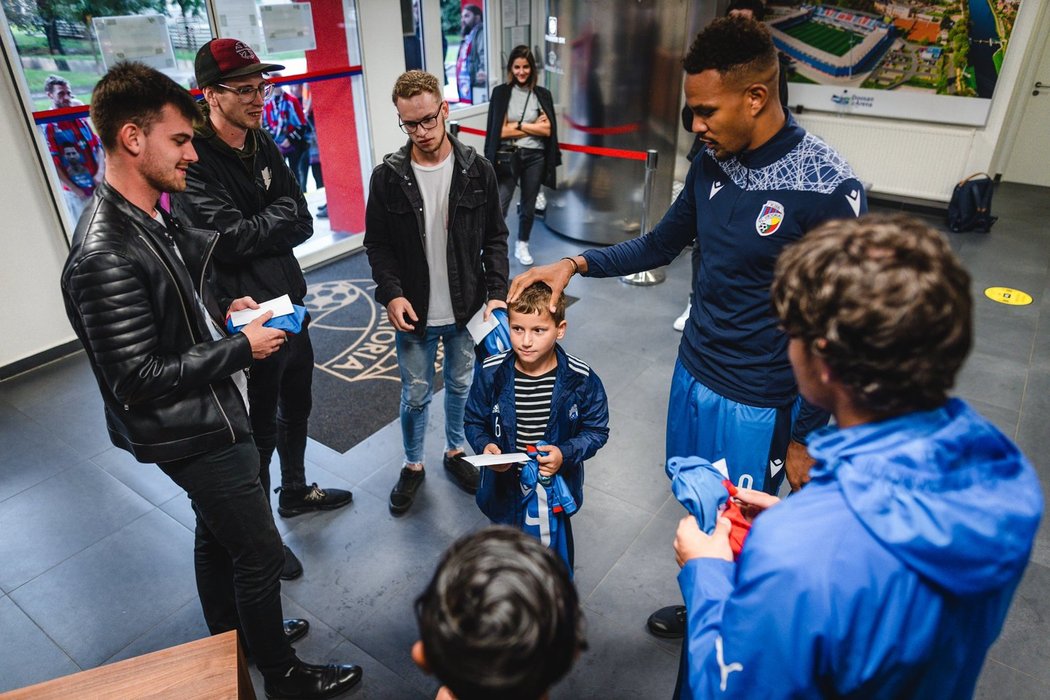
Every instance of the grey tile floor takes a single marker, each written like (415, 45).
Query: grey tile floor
(95, 549)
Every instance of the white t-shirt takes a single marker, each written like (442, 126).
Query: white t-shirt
(238, 377)
(434, 183)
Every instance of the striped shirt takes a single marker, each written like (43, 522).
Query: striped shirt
(532, 404)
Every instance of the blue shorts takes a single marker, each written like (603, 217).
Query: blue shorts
(753, 441)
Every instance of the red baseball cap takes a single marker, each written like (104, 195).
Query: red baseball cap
(222, 59)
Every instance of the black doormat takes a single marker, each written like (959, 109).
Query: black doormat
(357, 387)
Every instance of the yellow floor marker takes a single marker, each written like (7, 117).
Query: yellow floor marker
(1005, 295)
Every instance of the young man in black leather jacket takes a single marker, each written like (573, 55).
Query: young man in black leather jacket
(172, 380)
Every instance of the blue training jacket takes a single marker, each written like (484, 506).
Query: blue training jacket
(742, 211)
(888, 576)
(578, 426)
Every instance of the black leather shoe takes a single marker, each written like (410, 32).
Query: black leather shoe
(309, 498)
(668, 622)
(465, 474)
(296, 629)
(293, 568)
(309, 681)
(404, 491)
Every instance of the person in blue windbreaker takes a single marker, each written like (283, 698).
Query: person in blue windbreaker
(535, 395)
(890, 574)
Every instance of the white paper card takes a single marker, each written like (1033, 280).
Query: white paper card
(239, 19)
(489, 460)
(479, 328)
(142, 38)
(281, 306)
(288, 27)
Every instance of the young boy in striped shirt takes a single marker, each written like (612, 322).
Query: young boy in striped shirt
(533, 393)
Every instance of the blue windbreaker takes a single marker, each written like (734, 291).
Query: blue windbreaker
(578, 426)
(888, 576)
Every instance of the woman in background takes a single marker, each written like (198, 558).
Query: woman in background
(522, 141)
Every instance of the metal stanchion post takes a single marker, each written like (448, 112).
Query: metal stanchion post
(453, 128)
(649, 277)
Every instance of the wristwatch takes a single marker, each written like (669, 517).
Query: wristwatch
(519, 126)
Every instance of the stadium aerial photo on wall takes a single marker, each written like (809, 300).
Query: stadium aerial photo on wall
(950, 48)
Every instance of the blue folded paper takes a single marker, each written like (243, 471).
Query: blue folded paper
(293, 322)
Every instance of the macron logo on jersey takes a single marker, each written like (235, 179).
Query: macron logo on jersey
(854, 201)
(716, 187)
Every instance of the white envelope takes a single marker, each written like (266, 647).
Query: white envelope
(488, 460)
(281, 306)
(479, 328)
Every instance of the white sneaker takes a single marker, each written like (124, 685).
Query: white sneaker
(521, 252)
(679, 323)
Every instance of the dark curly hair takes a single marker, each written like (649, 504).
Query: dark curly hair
(500, 618)
(133, 92)
(734, 46)
(885, 303)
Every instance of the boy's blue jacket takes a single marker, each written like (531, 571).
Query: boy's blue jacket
(578, 426)
(888, 576)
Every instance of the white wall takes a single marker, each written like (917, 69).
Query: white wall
(34, 247)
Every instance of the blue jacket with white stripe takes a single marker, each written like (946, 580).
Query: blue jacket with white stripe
(578, 426)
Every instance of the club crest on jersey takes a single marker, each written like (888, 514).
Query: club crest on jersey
(770, 218)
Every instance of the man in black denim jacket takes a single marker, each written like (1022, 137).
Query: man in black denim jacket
(437, 244)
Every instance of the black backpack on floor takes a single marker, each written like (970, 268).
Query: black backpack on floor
(971, 205)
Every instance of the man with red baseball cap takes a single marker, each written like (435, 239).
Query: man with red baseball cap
(241, 187)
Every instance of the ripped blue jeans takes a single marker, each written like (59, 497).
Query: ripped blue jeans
(416, 359)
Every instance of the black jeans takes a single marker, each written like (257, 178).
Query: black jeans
(528, 170)
(279, 392)
(238, 554)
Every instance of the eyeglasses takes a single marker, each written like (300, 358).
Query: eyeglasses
(246, 93)
(427, 123)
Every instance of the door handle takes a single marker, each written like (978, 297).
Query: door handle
(1038, 85)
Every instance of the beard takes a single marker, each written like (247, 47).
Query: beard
(163, 178)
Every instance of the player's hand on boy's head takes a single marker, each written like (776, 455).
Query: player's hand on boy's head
(493, 304)
(400, 314)
(549, 460)
(555, 275)
(690, 542)
(493, 449)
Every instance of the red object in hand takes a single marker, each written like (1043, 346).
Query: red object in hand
(741, 525)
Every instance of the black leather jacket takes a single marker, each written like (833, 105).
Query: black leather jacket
(165, 383)
(253, 200)
(477, 235)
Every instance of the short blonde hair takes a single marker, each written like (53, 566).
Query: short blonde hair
(416, 82)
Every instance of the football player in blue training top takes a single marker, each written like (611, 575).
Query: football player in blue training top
(760, 183)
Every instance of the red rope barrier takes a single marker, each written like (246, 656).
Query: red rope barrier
(590, 150)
